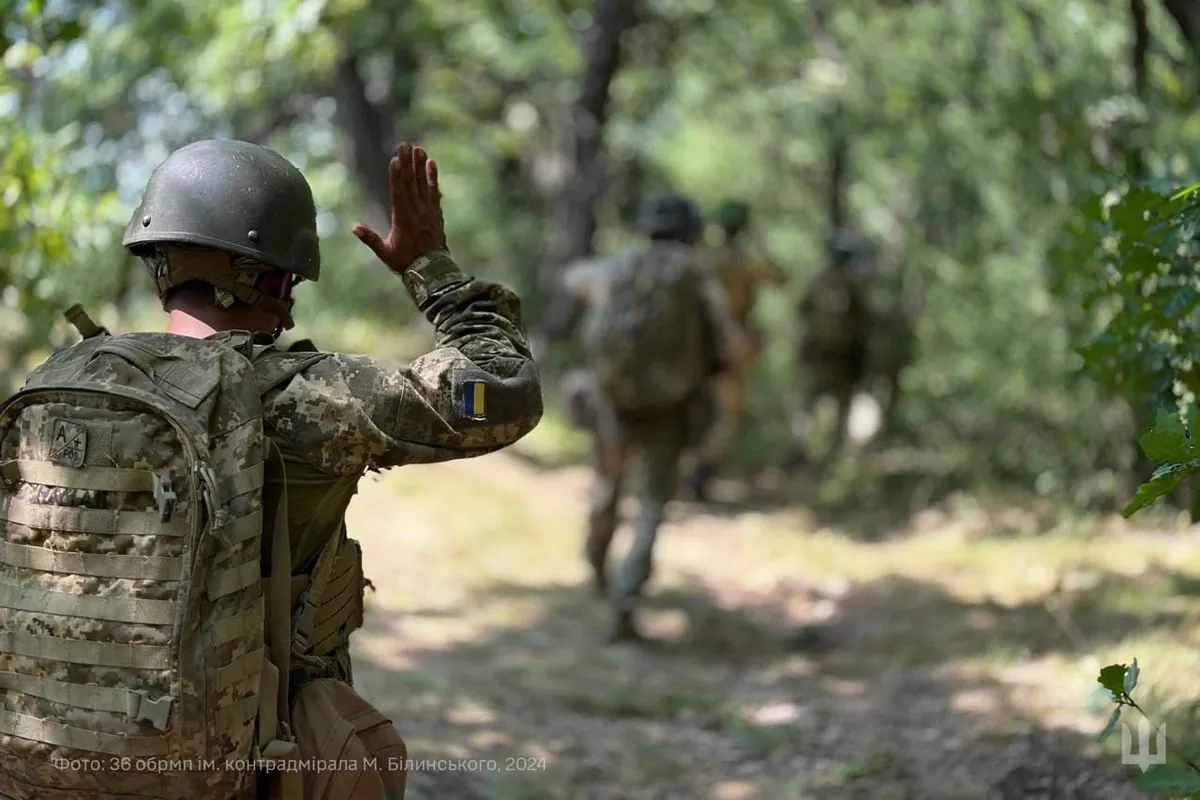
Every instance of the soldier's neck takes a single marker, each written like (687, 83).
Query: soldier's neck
(184, 324)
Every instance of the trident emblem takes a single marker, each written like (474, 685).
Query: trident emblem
(1143, 756)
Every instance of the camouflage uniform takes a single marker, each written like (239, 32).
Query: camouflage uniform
(221, 215)
(741, 273)
(348, 414)
(640, 451)
(837, 327)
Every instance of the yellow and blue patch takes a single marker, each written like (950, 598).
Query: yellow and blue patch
(474, 400)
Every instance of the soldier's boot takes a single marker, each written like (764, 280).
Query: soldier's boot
(635, 573)
(624, 628)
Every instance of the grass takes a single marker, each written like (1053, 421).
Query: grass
(959, 630)
(955, 629)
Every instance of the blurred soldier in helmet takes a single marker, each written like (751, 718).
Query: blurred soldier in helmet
(657, 327)
(741, 272)
(227, 230)
(837, 328)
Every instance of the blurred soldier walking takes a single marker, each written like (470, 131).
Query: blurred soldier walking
(834, 346)
(658, 327)
(741, 272)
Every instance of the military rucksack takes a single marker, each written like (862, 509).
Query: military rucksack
(133, 657)
(650, 347)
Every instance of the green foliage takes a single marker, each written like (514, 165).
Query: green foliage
(1176, 778)
(974, 138)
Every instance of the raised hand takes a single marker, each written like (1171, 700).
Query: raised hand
(417, 225)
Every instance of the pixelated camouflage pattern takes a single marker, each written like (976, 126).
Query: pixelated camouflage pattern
(348, 414)
(835, 313)
(892, 344)
(132, 423)
(638, 455)
(658, 324)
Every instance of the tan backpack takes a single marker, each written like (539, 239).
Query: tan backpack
(647, 340)
(133, 657)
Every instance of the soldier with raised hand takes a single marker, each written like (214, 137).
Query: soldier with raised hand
(742, 272)
(837, 329)
(658, 327)
(345, 414)
(233, 463)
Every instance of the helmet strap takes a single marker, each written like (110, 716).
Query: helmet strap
(216, 268)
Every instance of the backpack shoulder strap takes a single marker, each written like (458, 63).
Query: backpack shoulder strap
(277, 744)
(274, 367)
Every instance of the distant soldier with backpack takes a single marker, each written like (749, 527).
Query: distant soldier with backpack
(658, 327)
(177, 586)
(834, 347)
(742, 272)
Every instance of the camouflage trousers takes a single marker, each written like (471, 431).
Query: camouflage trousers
(639, 454)
(728, 397)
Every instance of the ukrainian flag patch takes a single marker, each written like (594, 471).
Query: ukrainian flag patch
(474, 400)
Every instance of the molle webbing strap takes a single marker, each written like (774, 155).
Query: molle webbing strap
(100, 479)
(276, 743)
(91, 520)
(112, 699)
(341, 604)
(238, 670)
(230, 629)
(137, 610)
(233, 579)
(99, 565)
(248, 480)
(310, 600)
(240, 712)
(83, 651)
(39, 730)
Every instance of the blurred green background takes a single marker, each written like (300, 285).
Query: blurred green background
(1014, 161)
(971, 134)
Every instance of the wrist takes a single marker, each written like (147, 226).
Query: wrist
(429, 274)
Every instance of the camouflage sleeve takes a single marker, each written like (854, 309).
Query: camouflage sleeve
(729, 341)
(478, 391)
(583, 281)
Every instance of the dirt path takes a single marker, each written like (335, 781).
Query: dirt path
(965, 648)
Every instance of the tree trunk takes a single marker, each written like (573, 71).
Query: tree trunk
(1186, 14)
(369, 128)
(573, 218)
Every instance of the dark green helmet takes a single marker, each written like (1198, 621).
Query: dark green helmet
(669, 214)
(233, 196)
(845, 246)
(732, 213)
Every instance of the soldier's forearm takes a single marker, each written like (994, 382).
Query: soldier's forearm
(479, 318)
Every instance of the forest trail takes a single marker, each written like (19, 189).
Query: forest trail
(963, 662)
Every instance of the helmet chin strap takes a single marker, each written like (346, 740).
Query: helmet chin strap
(173, 265)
